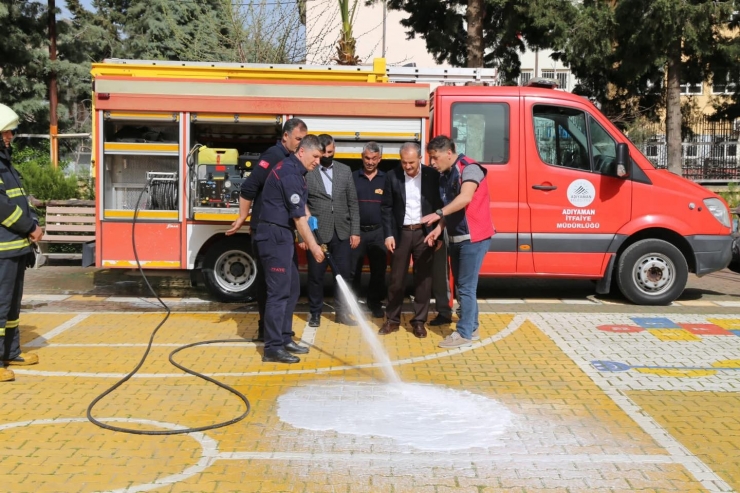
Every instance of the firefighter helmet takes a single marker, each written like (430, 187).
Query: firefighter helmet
(8, 119)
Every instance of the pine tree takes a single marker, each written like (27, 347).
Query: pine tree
(26, 66)
(174, 29)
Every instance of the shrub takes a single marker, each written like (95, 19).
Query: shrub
(41, 179)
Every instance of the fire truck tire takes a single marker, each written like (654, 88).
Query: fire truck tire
(230, 269)
(652, 272)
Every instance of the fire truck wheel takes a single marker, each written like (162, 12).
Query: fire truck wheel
(652, 272)
(230, 269)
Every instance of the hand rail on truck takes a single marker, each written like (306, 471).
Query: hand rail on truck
(378, 71)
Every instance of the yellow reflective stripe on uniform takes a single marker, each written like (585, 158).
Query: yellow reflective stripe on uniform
(12, 218)
(2, 331)
(15, 192)
(13, 245)
(12, 324)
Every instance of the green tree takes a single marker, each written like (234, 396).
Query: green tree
(485, 33)
(159, 29)
(24, 54)
(633, 55)
(26, 66)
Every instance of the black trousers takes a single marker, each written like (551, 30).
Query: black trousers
(372, 246)
(277, 252)
(260, 287)
(340, 252)
(410, 244)
(12, 272)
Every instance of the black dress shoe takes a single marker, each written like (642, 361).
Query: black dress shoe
(315, 320)
(419, 330)
(377, 312)
(294, 348)
(279, 355)
(344, 319)
(440, 320)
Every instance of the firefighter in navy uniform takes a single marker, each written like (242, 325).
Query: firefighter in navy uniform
(18, 228)
(250, 197)
(284, 209)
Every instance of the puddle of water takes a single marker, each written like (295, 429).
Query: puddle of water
(425, 417)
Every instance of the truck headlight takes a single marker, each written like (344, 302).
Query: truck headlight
(719, 211)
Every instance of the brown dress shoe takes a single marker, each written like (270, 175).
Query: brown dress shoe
(419, 330)
(388, 327)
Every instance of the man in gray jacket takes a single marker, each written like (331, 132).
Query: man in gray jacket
(332, 199)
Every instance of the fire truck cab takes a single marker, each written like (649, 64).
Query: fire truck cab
(188, 133)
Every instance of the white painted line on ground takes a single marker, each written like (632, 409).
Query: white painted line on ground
(45, 297)
(506, 302)
(246, 343)
(680, 454)
(728, 303)
(309, 334)
(41, 340)
(579, 301)
(512, 327)
(447, 459)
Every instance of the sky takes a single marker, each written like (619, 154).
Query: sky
(63, 6)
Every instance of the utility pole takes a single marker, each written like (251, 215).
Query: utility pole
(385, 14)
(53, 124)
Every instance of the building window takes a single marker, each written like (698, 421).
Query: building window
(525, 77)
(563, 80)
(548, 74)
(691, 150)
(723, 86)
(692, 89)
(481, 131)
(651, 151)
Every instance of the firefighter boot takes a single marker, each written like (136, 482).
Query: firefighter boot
(6, 375)
(23, 359)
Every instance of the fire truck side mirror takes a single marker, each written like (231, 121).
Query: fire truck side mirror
(622, 161)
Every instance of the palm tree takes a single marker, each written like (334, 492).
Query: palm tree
(346, 45)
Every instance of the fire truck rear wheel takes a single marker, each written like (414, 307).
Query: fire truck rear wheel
(652, 272)
(230, 269)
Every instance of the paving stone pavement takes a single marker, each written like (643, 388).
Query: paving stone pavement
(601, 402)
(603, 396)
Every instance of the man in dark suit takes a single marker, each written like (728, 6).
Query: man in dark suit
(332, 199)
(411, 192)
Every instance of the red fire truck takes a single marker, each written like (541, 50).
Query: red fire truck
(189, 132)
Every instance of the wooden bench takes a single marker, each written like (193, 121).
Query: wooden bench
(68, 222)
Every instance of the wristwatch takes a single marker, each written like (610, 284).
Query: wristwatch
(439, 213)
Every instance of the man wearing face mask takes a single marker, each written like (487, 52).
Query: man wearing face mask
(332, 199)
(18, 229)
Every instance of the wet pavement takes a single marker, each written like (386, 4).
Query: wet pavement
(565, 391)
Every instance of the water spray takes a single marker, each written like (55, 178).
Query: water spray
(381, 356)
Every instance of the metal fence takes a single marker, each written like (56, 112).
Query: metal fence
(709, 148)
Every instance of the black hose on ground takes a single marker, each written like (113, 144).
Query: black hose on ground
(171, 359)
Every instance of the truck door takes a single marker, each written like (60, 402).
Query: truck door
(575, 205)
(486, 130)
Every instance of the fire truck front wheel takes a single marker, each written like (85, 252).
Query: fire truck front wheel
(230, 269)
(652, 272)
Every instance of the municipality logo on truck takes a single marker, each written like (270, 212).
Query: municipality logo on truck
(581, 193)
